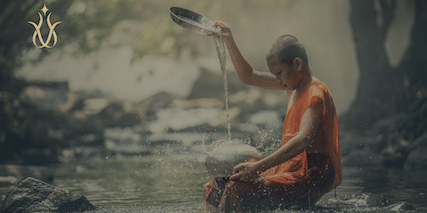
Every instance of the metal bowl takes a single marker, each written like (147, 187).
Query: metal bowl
(222, 159)
(193, 21)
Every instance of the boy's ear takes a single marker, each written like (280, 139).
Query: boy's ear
(298, 63)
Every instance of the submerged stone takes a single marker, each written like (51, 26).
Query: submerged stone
(228, 154)
(400, 206)
(21, 172)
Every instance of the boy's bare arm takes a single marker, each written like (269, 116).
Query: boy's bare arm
(310, 122)
(243, 68)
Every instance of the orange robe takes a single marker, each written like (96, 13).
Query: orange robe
(296, 178)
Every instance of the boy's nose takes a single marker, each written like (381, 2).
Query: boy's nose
(278, 80)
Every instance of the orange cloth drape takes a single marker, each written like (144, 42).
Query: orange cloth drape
(296, 169)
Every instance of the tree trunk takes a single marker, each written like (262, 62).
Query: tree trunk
(385, 91)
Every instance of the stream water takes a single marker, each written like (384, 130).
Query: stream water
(174, 183)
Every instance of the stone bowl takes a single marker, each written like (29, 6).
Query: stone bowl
(221, 160)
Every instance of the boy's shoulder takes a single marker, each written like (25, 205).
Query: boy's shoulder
(317, 87)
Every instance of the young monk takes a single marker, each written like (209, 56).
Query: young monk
(308, 164)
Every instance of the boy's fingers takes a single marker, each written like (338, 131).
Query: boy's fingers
(218, 24)
(237, 168)
(235, 177)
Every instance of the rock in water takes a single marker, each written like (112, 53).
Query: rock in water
(400, 206)
(21, 172)
(32, 195)
(221, 160)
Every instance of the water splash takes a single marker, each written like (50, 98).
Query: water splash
(203, 144)
(220, 49)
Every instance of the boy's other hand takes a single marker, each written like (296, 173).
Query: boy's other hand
(245, 172)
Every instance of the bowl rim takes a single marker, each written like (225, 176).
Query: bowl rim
(183, 23)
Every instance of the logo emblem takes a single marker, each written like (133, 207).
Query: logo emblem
(37, 32)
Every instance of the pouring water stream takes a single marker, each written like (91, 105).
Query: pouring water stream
(220, 49)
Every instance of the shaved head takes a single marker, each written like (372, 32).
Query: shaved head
(287, 48)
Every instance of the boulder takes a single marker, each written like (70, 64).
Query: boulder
(387, 123)
(125, 142)
(361, 158)
(420, 142)
(33, 195)
(363, 199)
(114, 115)
(47, 98)
(417, 154)
(417, 159)
(21, 172)
(210, 85)
(400, 206)
(8, 181)
(178, 119)
(91, 139)
(353, 143)
(57, 85)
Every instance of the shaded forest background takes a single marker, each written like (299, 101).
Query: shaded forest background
(390, 102)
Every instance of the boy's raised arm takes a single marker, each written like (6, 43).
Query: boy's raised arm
(243, 68)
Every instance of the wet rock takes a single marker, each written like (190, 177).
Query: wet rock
(83, 126)
(419, 142)
(91, 139)
(83, 152)
(178, 119)
(196, 103)
(125, 141)
(114, 115)
(56, 85)
(94, 105)
(267, 117)
(387, 124)
(183, 138)
(89, 152)
(400, 206)
(364, 199)
(25, 128)
(210, 85)
(8, 181)
(254, 99)
(48, 99)
(361, 158)
(417, 159)
(234, 113)
(13, 126)
(21, 172)
(353, 143)
(158, 101)
(32, 195)
(393, 159)
(39, 156)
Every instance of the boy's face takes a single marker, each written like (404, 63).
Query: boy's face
(285, 75)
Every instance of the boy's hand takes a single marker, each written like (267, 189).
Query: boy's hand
(227, 36)
(246, 172)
